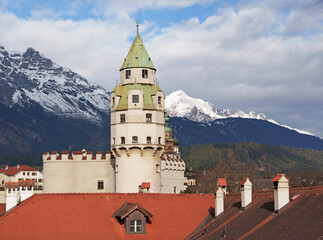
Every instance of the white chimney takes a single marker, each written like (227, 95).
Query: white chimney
(281, 191)
(6, 167)
(246, 192)
(18, 166)
(25, 192)
(219, 201)
(11, 195)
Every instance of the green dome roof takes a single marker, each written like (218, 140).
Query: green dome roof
(137, 56)
(167, 128)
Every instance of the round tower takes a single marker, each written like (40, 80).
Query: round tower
(137, 123)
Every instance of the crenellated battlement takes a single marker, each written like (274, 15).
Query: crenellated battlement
(168, 163)
(79, 156)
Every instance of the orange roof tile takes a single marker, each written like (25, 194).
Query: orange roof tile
(222, 182)
(145, 185)
(89, 216)
(11, 171)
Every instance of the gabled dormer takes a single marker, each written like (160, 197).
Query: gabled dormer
(134, 217)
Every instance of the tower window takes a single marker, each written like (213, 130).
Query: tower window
(134, 139)
(135, 226)
(159, 99)
(157, 168)
(128, 74)
(148, 139)
(144, 73)
(148, 117)
(100, 185)
(122, 118)
(123, 140)
(135, 98)
(113, 102)
(159, 140)
(114, 141)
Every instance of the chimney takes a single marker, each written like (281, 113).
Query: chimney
(281, 192)
(18, 166)
(246, 192)
(219, 201)
(6, 167)
(223, 184)
(12, 195)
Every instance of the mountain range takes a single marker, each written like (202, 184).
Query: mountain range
(47, 107)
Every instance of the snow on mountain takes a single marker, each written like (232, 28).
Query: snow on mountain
(179, 104)
(30, 78)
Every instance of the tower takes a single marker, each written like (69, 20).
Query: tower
(137, 123)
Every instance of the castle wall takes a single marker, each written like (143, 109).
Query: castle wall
(136, 76)
(172, 175)
(78, 173)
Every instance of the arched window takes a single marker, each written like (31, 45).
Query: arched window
(134, 139)
(148, 139)
(159, 140)
(123, 140)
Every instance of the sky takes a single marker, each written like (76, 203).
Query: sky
(264, 56)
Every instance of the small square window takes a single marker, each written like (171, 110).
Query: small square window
(34, 174)
(135, 226)
(134, 139)
(128, 74)
(135, 98)
(100, 185)
(122, 118)
(159, 100)
(148, 139)
(40, 180)
(148, 117)
(144, 73)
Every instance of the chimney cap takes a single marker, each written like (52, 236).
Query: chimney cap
(280, 177)
(244, 181)
(222, 182)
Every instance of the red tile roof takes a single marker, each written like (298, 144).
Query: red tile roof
(14, 170)
(23, 183)
(89, 216)
(300, 219)
(222, 182)
(2, 208)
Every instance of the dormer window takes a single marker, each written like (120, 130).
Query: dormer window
(128, 74)
(134, 217)
(135, 98)
(144, 73)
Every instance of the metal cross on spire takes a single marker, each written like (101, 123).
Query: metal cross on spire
(137, 27)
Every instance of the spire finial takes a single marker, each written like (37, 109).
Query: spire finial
(137, 27)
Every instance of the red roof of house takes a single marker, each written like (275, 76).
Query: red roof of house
(128, 208)
(11, 171)
(222, 182)
(300, 219)
(2, 208)
(90, 216)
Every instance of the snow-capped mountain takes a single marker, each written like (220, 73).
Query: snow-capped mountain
(179, 104)
(30, 79)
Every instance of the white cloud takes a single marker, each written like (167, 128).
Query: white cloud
(254, 56)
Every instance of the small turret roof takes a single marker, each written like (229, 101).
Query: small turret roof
(137, 56)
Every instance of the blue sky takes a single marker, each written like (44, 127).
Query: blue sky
(256, 55)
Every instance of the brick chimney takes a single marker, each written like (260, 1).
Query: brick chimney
(219, 201)
(281, 192)
(246, 192)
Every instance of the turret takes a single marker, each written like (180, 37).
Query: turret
(137, 122)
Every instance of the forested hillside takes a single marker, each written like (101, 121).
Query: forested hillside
(266, 158)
